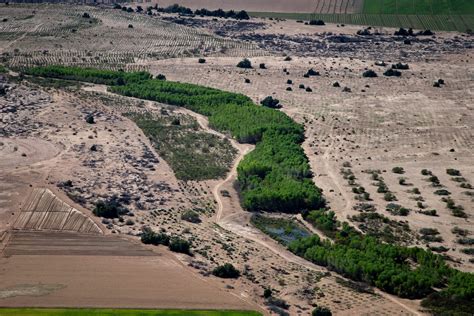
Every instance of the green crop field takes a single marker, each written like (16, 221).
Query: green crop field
(441, 15)
(419, 7)
(118, 312)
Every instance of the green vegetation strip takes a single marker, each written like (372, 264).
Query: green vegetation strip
(275, 176)
(118, 312)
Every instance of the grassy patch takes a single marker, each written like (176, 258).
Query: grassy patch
(118, 312)
(191, 153)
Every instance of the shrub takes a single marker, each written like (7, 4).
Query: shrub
(369, 74)
(150, 237)
(400, 66)
(287, 58)
(226, 271)
(110, 208)
(201, 61)
(191, 216)
(90, 119)
(289, 81)
(312, 72)
(453, 172)
(392, 73)
(389, 196)
(245, 63)
(247, 80)
(270, 102)
(267, 293)
(86, 15)
(321, 311)
(398, 170)
(180, 245)
(130, 26)
(316, 22)
(336, 85)
(442, 192)
(262, 66)
(429, 212)
(160, 77)
(301, 86)
(426, 172)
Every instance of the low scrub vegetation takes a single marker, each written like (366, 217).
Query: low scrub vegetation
(88, 74)
(226, 271)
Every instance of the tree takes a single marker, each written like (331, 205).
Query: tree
(242, 15)
(110, 208)
(180, 245)
(267, 293)
(245, 63)
(321, 311)
(191, 216)
(270, 102)
(152, 238)
(90, 119)
(226, 271)
(317, 22)
(369, 74)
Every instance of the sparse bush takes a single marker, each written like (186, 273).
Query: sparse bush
(270, 102)
(369, 74)
(459, 231)
(267, 293)
(312, 72)
(468, 251)
(90, 119)
(429, 212)
(316, 22)
(321, 311)
(110, 208)
(150, 237)
(180, 245)
(400, 66)
(245, 63)
(426, 172)
(226, 271)
(453, 172)
(191, 216)
(161, 77)
(398, 170)
(389, 196)
(392, 73)
(442, 192)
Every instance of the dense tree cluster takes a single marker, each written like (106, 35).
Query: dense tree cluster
(241, 15)
(406, 272)
(107, 77)
(219, 13)
(276, 175)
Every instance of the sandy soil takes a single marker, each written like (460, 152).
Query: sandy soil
(91, 276)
